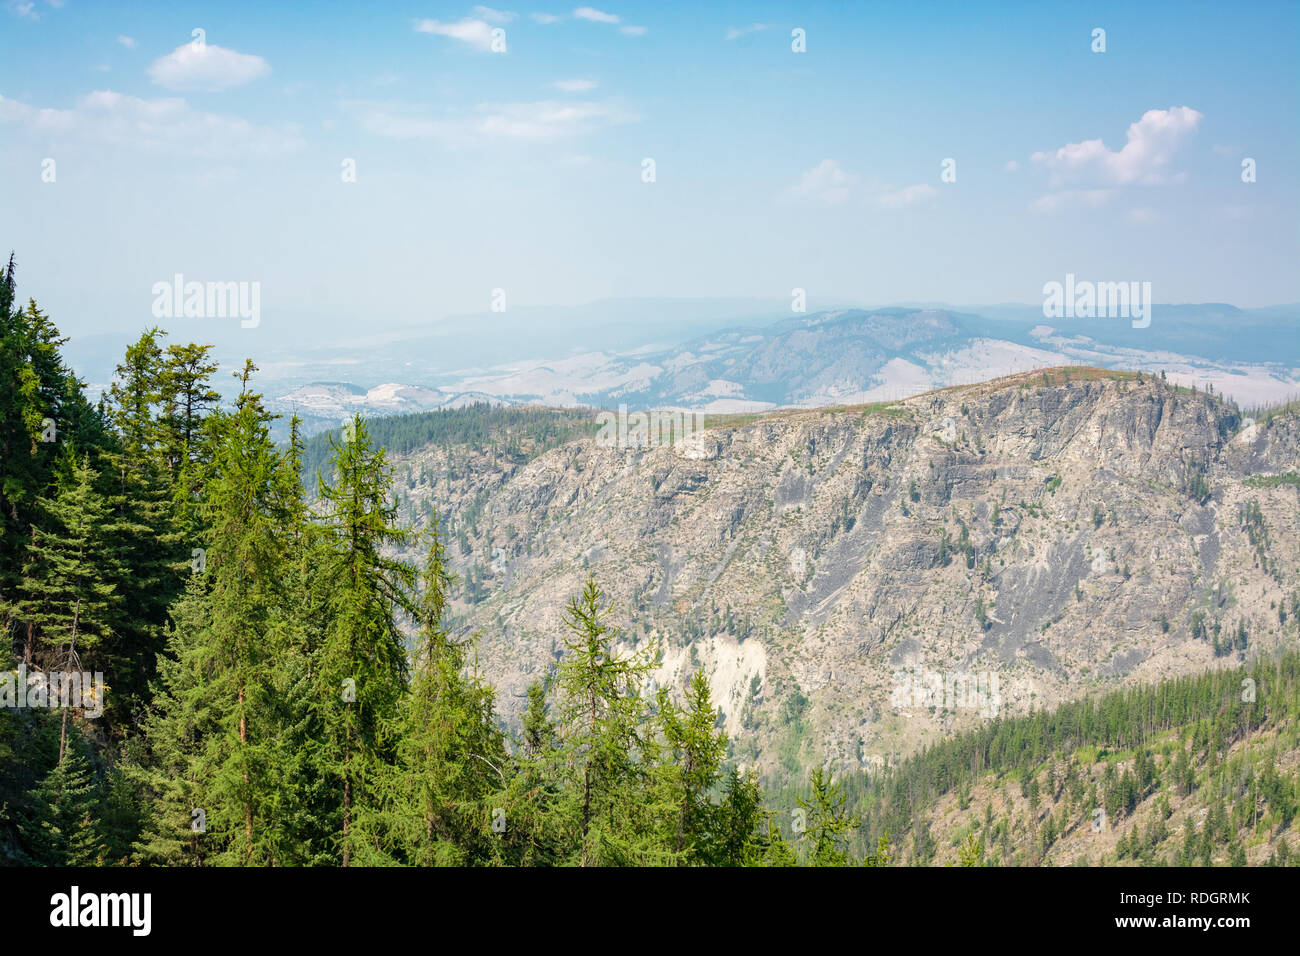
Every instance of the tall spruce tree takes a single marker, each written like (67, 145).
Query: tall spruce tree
(452, 757)
(66, 592)
(696, 749)
(63, 828)
(601, 723)
(213, 737)
(361, 665)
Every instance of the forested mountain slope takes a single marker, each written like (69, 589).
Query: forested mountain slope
(219, 654)
(1067, 531)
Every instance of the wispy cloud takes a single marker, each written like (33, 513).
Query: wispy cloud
(494, 16)
(541, 121)
(907, 195)
(206, 67)
(826, 183)
(475, 33)
(574, 86)
(1067, 198)
(734, 33)
(167, 124)
(545, 17)
(830, 184)
(594, 15)
(126, 41)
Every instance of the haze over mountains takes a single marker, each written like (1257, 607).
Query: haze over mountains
(723, 356)
(831, 357)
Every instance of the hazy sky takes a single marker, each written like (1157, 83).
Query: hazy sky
(523, 169)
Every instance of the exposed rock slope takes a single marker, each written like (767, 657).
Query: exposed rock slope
(1063, 533)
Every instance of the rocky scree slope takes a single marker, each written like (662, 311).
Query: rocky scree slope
(1066, 531)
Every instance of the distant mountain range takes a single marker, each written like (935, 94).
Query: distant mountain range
(321, 405)
(687, 354)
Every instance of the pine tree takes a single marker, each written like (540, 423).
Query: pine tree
(738, 822)
(601, 718)
(62, 594)
(62, 830)
(828, 824)
(186, 399)
(536, 835)
(361, 666)
(213, 741)
(452, 756)
(696, 749)
(971, 852)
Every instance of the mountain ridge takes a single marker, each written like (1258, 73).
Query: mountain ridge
(1067, 530)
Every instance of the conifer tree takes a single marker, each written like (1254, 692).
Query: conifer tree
(362, 665)
(452, 756)
(738, 822)
(216, 728)
(696, 750)
(828, 823)
(62, 830)
(600, 718)
(535, 834)
(64, 593)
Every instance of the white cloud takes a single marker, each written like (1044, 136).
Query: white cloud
(207, 67)
(632, 31)
(477, 33)
(1011, 166)
(574, 86)
(736, 32)
(542, 121)
(594, 15)
(895, 198)
(167, 124)
(826, 183)
(494, 16)
(1054, 202)
(126, 41)
(23, 11)
(545, 120)
(829, 184)
(545, 17)
(1145, 157)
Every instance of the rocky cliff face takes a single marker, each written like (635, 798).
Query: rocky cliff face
(860, 581)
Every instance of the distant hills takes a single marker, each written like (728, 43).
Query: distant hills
(728, 356)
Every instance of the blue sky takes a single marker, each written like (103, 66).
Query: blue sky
(522, 170)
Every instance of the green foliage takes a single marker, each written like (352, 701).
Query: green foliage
(283, 691)
(828, 822)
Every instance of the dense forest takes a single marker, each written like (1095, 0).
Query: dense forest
(514, 433)
(1218, 749)
(262, 704)
(278, 689)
